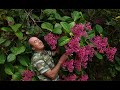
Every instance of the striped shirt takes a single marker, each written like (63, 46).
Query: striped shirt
(42, 62)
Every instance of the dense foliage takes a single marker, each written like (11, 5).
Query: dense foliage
(89, 36)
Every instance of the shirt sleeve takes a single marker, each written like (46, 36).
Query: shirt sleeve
(41, 66)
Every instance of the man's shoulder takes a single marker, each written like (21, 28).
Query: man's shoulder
(35, 56)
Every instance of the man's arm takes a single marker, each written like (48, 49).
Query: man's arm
(52, 73)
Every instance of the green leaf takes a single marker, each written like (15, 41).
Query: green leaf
(18, 50)
(19, 34)
(20, 68)
(49, 11)
(2, 58)
(71, 24)
(99, 28)
(91, 35)
(47, 25)
(24, 60)
(57, 25)
(35, 17)
(2, 40)
(35, 79)
(66, 18)
(57, 29)
(75, 15)
(117, 59)
(7, 43)
(92, 31)
(57, 16)
(5, 29)
(9, 69)
(10, 20)
(81, 43)
(98, 55)
(77, 72)
(11, 57)
(117, 67)
(17, 76)
(65, 26)
(63, 40)
(16, 27)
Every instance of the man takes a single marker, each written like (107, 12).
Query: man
(42, 60)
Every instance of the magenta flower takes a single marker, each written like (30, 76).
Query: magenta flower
(110, 53)
(78, 30)
(100, 43)
(88, 26)
(70, 77)
(51, 40)
(84, 77)
(68, 65)
(27, 75)
(72, 46)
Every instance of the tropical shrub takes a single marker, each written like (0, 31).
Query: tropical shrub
(91, 55)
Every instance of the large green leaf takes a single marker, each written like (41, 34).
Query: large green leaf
(5, 29)
(99, 28)
(91, 35)
(117, 67)
(24, 60)
(71, 24)
(7, 43)
(2, 40)
(57, 16)
(11, 57)
(2, 58)
(9, 69)
(10, 20)
(98, 55)
(20, 68)
(16, 27)
(47, 25)
(65, 18)
(19, 34)
(65, 26)
(17, 76)
(117, 59)
(57, 29)
(75, 15)
(63, 40)
(18, 50)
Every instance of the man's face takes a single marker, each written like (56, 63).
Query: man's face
(37, 44)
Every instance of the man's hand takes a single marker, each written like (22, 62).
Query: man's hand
(63, 58)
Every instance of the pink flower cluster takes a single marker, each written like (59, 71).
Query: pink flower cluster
(72, 46)
(88, 26)
(68, 65)
(85, 53)
(51, 40)
(83, 78)
(110, 52)
(27, 75)
(78, 30)
(100, 43)
(70, 77)
(82, 56)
